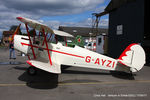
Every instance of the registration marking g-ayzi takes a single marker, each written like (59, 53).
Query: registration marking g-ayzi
(100, 61)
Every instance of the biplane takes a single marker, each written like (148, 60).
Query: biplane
(47, 50)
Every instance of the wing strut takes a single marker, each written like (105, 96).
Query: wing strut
(16, 31)
(34, 34)
(47, 47)
(45, 36)
(50, 37)
(30, 41)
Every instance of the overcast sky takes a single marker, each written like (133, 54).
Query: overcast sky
(52, 12)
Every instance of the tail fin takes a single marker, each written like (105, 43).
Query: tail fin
(133, 57)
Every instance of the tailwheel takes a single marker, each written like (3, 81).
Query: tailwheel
(32, 71)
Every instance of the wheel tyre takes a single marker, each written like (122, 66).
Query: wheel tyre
(32, 71)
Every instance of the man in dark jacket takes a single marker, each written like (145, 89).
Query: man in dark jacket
(11, 50)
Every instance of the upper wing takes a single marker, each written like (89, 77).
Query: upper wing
(39, 26)
(61, 33)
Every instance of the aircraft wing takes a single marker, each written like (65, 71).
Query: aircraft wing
(57, 32)
(55, 68)
(39, 26)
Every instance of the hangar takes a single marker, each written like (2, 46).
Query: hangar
(128, 23)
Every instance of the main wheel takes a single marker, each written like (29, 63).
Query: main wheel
(32, 71)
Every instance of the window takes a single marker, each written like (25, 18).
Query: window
(99, 41)
(89, 44)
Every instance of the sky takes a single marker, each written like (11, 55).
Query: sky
(54, 13)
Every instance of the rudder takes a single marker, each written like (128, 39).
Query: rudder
(133, 56)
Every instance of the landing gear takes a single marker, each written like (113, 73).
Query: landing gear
(32, 71)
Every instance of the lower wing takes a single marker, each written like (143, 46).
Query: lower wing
(55, 68)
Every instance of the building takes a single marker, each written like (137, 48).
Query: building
(7, 34)
(89, 35)
(128, 23)
(85, 32)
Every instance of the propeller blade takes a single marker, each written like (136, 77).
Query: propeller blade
(16, 31)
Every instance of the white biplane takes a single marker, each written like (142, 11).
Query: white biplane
(47, 50)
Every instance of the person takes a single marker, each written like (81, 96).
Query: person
(11, 50)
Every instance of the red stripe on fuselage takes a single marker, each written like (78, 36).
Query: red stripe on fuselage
(67, 53)
(54, 51)
(30, 45)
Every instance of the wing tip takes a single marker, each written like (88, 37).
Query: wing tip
(19, 18)
(28, 62)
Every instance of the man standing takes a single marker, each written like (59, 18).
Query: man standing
(11, 51)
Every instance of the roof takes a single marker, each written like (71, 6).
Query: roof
(83, 31)
(8, 32)
(113, 5)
